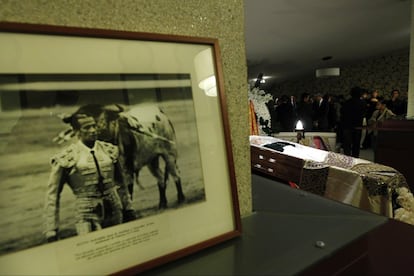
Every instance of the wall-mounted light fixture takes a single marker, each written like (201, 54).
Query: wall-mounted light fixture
(327, 72)
(261, 79)
(204, 68)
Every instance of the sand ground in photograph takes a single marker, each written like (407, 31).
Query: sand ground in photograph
(26, 148)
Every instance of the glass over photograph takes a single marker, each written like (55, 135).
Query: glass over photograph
(83, 152)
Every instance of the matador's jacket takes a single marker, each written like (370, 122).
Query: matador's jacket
(91, 175)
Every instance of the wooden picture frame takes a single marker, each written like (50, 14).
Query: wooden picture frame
(48, 71)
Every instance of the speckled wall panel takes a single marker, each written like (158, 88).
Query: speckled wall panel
(410, 107)
(221, 19)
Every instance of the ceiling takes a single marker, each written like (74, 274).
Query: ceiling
(287, 39)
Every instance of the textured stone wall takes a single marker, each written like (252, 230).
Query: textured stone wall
(383, 73)
(410, 107)
(221, 19)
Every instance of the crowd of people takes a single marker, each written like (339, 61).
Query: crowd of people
(353, 117)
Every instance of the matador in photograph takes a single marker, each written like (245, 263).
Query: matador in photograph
(90, 167)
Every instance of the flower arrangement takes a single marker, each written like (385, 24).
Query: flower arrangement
(259, 98)
(406, 200)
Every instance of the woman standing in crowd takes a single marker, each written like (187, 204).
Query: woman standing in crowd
(371, 107)
(381, 114)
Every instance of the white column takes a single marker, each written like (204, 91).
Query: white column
(410, 110)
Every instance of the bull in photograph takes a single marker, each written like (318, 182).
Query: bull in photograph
(144, 135)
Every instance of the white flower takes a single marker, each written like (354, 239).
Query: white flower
(259, 99)
(406, 200)
(404, 215)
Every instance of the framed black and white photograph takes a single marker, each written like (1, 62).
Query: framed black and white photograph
(114, 146)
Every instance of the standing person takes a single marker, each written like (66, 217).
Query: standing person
(332, 112)
(396, 105)
(364, 98)
(271, 106)
(380, 115)
(293, 102)
(338, 102)
(352, 114)
(90, 168)
(372, 103)
(372, 106)
(305, 112)
(320, 112)
(286, 114)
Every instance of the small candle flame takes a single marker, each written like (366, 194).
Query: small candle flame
(299, 125)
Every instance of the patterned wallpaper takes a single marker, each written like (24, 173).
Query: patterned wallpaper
(383, 73)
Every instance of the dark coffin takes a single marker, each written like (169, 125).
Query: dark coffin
(274, 164)
(361, 183)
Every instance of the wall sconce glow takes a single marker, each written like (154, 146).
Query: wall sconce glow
(263, 80)
(327, 72)
(204, 68)
(209, 86)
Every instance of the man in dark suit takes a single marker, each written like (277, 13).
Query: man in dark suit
(396, 105)
(352, 114)
(320, 112)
